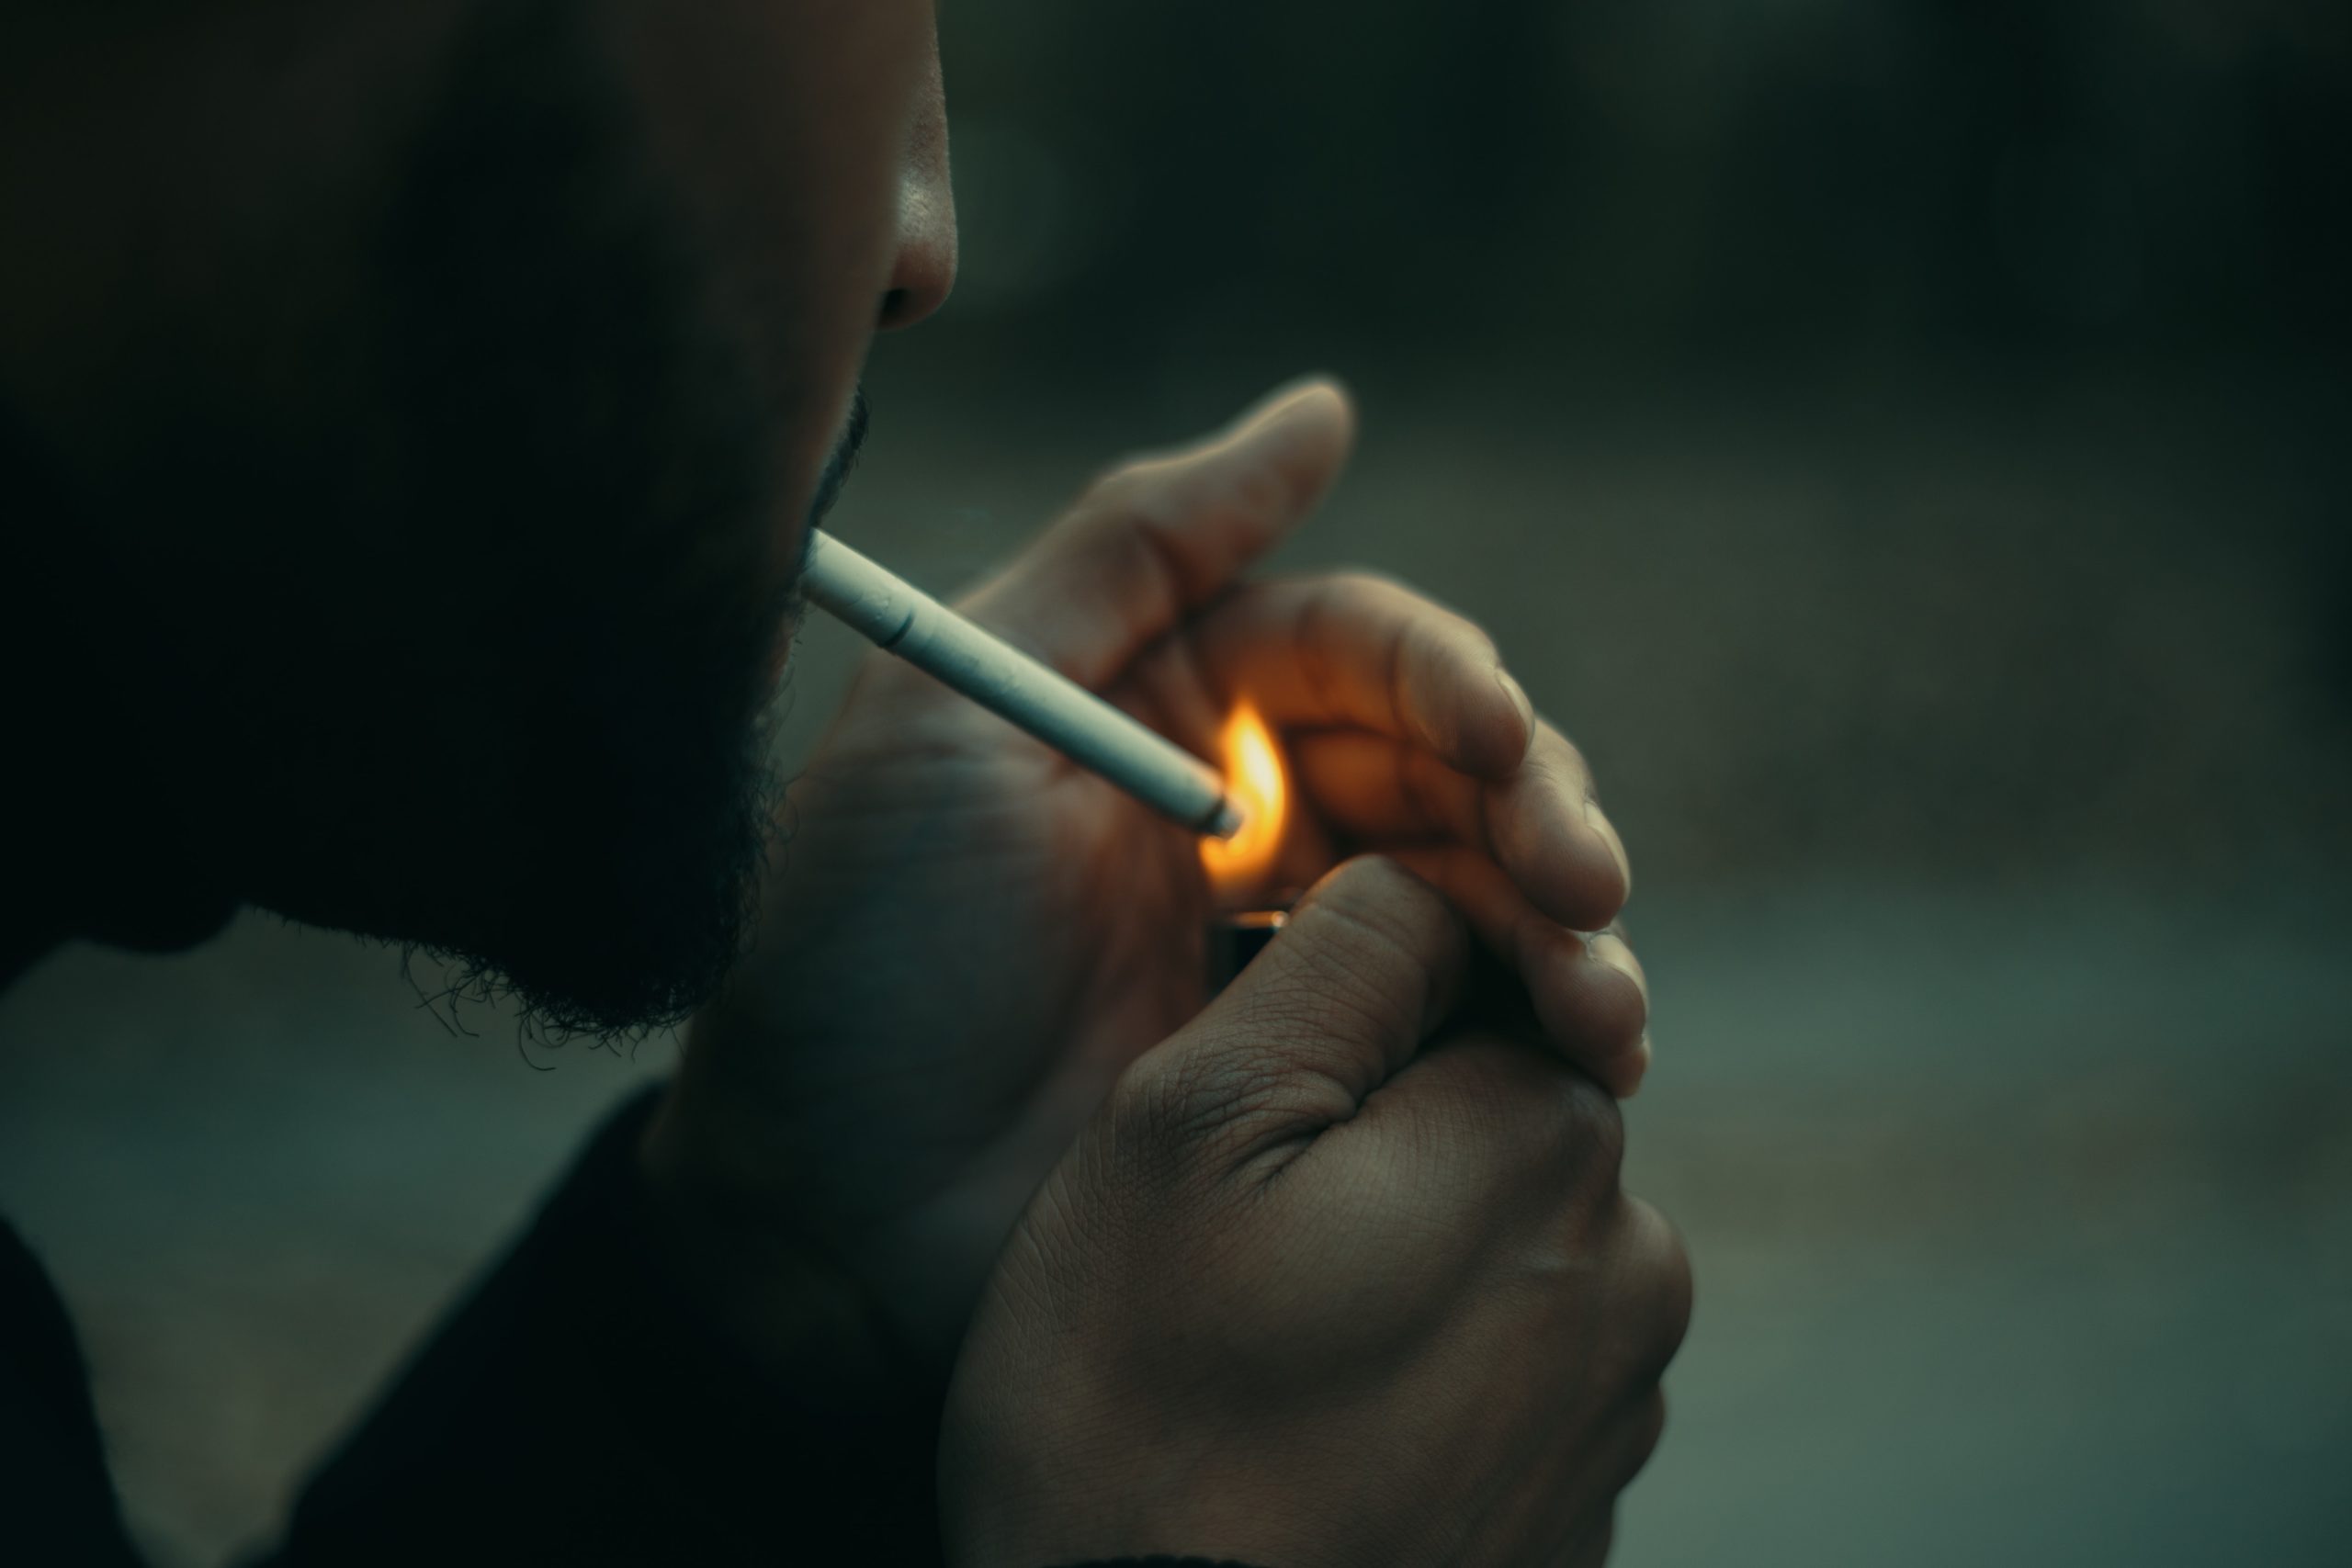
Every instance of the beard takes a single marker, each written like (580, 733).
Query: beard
(577, 427)
(484, 615)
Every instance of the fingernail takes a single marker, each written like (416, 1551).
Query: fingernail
(1611, 949)
(1518, 695)
(1598, 820)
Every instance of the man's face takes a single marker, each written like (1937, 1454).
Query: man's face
(456, 464)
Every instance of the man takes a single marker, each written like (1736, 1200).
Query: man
(415, 412)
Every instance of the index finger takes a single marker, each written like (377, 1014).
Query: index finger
(1155, 539)
(1356, 651)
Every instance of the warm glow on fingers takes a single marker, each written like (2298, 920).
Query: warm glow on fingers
(1255, 780)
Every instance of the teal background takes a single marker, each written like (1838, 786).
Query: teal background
(1905, 443)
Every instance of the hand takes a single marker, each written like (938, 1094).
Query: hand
(965, 939)
(1323, 1284)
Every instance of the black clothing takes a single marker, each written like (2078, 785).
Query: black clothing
(574, 1410)
(55, 1496)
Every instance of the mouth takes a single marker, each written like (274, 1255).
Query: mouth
(847, 447)
(838, 464)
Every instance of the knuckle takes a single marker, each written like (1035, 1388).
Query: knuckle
(1661, 1267)
(1142, 1107)
(1136, 486)
(1498, 1091)
(1520, 1110)
(1376, 588)
(1194, 1093)
(1221, 1098)
(1375, 595)
(1361, 585)
(1592, 1131)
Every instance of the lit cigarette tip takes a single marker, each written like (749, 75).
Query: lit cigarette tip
(1228, 821)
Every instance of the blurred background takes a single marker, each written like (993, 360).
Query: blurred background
(1904, 442)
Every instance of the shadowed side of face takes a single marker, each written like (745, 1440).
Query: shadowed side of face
(465, 567)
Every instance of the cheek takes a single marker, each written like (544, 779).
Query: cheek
(783, 129)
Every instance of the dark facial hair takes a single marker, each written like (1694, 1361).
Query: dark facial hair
(592, 448)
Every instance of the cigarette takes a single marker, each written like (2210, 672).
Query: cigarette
(903, 619)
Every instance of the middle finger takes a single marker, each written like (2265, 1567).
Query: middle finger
(1540, 822)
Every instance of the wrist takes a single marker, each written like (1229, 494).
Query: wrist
(769, 1293)
(925, 1269)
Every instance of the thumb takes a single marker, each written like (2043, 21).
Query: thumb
(1370, 964)
(1157, 537)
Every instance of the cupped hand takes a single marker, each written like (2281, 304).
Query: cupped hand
(965, 939)
(1327, 1282)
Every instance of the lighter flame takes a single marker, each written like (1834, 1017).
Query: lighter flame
(1254, 780)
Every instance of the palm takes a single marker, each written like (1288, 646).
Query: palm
(966, 940)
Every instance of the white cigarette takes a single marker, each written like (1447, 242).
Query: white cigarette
(906, 621)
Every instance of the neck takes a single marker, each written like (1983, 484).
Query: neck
(91, 847)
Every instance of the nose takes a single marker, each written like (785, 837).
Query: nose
(924, 269)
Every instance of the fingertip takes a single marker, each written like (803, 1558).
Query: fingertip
(1568, 870)
(1282, 456)
(1413, 931)
(1597, 822)
(1610, 949)
(1521, 701)
(1314, 407)
(1321, 385)
(1587, 1010)
(1633, 1069)
(1623, 1072)
(1591, 886)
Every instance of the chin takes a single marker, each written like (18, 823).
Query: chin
(595, 853)
(631, 929)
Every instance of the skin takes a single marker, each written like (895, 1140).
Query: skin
(425, 488)
(979, 914)
(1391, 1306)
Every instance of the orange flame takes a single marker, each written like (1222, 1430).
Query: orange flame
(1241, 865)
